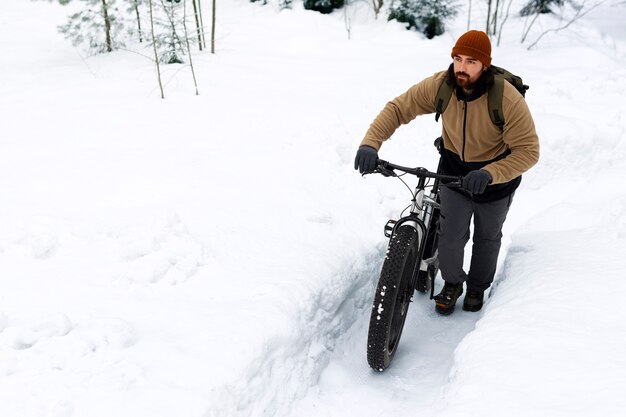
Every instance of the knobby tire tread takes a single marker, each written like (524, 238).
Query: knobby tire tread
(402, 253)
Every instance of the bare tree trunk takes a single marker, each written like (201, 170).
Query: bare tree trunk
(469, 15)
(138, 21)
(156, 56)
(201, 22)
(195, 13)
(377, 5)
(495, 17)
(213, 28)
(107, 25)
(193, 73)
(488, 16)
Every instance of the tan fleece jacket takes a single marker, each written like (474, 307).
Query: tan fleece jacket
(472, 135)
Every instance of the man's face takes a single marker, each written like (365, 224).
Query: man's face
(467, 70)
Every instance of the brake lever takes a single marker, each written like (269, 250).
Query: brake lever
(386, 172)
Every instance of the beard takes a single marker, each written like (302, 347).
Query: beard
(463, 80)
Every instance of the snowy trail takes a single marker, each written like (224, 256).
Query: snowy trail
(418, 372)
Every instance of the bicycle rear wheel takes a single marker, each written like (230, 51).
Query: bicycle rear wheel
(392, 298)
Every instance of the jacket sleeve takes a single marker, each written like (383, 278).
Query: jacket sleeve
(417, 100)
(521, 138)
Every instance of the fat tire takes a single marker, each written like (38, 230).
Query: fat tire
(392, 298)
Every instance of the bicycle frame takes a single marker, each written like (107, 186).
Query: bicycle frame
(421, 213)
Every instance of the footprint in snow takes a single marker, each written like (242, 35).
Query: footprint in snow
(25, 336)
(107, 332)
(39, 241)
(170, 256)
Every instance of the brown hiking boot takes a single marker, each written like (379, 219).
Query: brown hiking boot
(473, 300)
(446, 299)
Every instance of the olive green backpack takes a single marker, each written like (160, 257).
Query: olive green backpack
(494, 95)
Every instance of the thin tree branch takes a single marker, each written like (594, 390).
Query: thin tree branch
(506, 17)
(529, 27)
(579, 14)
(193, 73)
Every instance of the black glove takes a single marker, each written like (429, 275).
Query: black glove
(476, 181)
(365, 160)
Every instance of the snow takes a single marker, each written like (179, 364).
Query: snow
(216, 255)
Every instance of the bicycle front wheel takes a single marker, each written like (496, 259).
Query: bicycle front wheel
(392, 298)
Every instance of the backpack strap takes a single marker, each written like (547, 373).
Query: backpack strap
(494, 97)
(442, 99)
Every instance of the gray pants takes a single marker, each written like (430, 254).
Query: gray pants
(454, 230)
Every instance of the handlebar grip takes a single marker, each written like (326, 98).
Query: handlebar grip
(455, 183)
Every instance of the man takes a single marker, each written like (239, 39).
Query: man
(490, 157)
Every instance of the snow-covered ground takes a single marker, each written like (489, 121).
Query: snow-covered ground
(216, 255)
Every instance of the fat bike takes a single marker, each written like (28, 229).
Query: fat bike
(411, 263)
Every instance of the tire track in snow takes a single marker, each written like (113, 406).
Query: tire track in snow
(418, 372)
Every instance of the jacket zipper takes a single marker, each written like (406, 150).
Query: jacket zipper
(464, 127)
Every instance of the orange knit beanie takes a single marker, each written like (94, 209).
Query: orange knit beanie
(475, 44)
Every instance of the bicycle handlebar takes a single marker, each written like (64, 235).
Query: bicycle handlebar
(387, 169)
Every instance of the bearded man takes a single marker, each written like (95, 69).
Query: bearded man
(490, 157)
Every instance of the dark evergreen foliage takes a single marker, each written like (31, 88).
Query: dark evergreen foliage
(426, 16)
(540, 6)
(323, 6)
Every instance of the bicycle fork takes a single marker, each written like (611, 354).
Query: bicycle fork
(424, 208)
